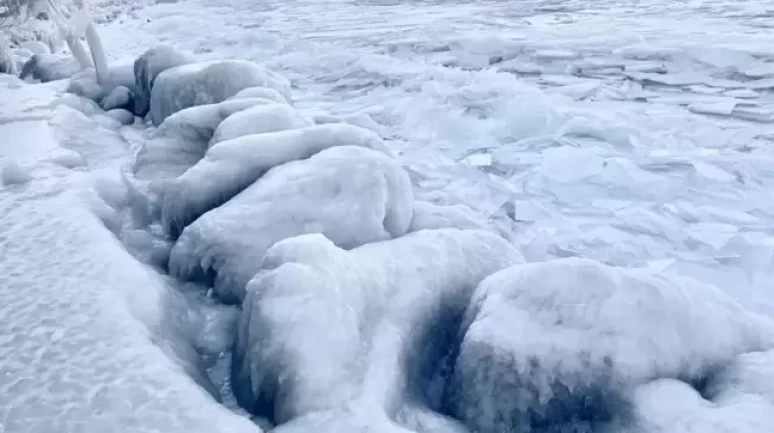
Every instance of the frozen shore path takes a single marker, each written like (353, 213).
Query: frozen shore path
(631, 134)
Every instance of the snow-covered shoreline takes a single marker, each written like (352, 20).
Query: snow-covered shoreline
(399, 320)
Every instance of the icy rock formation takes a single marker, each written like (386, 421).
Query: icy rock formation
(562, 343)
(50, 67)
(259, 119)
(352, 195)
(179, 143)
(231, 166)
(208, 82)
(147, 67)
(432, 216)
(355, 336)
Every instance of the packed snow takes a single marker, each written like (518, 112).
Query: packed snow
(386, 216)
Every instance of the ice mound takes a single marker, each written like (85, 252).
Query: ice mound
(259, 119)
(352, 195)
(432, 216)
(561, 343)
(231, 166)
(338, 340)
(206, 83)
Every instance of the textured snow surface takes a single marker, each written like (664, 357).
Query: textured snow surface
(563, 342)
(324, 328)
(91, 339)
(352, 195)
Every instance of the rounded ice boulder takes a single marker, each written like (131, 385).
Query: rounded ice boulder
(358, 336)
(563, 343)
(206, 83)
(231, 166)
(147, 67)
(352, 195)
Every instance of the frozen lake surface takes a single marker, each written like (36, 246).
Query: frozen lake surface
(634, 133)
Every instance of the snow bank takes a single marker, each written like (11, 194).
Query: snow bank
(207, 82)
(562, 342)
(231, 166)
(352, 195)
(358, 333)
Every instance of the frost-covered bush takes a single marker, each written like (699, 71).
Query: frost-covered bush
(563, 343)
(352, 195)
(343, 341)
